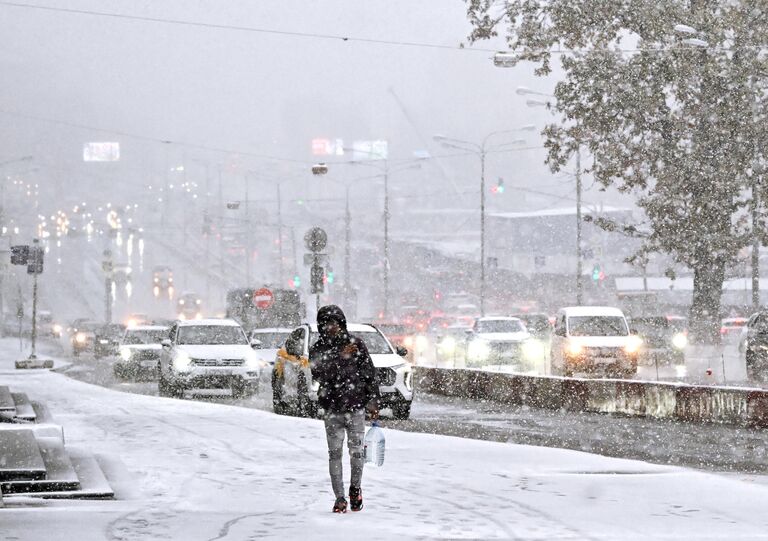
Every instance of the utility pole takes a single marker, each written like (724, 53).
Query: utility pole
(482, 231)
(386, 238)
(347, 248)
(248, 247)
(579, 292)
(280, 235)
(37, 261)
(755, 245)
(107, 267)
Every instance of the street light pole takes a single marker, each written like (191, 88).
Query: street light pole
(579, 288)
(523, 91)
(482, 230)
(280, 234)
(347, 247)
(755, 245)
(247, 236)
(386, 238)
(481, 150)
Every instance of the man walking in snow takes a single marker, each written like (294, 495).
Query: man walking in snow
(341, 364)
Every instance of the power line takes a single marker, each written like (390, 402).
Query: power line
(148, 137)
(240, 28)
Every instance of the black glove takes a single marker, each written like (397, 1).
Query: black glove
(373, 409)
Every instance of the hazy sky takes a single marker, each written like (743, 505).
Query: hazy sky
(261, 93)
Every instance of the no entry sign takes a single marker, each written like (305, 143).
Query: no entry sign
(263, 298)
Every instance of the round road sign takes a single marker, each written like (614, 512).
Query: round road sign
(315, 239)
(263, 298)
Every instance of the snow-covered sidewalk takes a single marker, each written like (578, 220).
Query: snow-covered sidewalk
(190, 470)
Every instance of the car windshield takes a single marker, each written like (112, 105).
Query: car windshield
(597, 326)
(536, 323)
(271, 340)
(658, 326)
(393, 330)
(214, 335)
(499, 326)
(374, 341)
(145, 336)
(112, 330)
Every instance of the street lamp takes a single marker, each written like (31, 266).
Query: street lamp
(348, 233)
(385, 171)
(523, 91)
(481, 150)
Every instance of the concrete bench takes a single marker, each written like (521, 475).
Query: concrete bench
(7, 405)
(24, 409)
(20, 456)
(60, 473)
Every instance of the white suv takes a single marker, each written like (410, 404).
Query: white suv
(208, 354)
(293, 390)
(593, 339)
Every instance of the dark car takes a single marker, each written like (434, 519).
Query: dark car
(107, 340)
(755, 346)
(664, 339)
(538, 325)
(82, 336)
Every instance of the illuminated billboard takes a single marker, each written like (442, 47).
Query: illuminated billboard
(370, 150)
(327, 147)
(101, 152)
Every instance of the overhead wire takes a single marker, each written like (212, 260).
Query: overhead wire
(242, 28)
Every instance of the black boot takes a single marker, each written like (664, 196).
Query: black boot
(340, 506)
(355, 499)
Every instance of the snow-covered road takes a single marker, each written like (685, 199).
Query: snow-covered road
(191, 470)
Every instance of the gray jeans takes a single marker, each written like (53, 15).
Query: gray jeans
(336, 426)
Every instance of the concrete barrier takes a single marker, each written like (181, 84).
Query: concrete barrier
(677, 401)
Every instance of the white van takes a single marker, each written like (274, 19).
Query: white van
(593, 340)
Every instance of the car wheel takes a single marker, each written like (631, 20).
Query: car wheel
(306, 407)
(402, 410)
(119, 372)
(239, 389)
(162, 387)
(278, 406)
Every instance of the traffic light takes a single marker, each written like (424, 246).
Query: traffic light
(329, 276)
(597, 273)
(499, 187)
(296, 281)
(317, 276)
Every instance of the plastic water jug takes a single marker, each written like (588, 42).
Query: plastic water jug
(374, 445)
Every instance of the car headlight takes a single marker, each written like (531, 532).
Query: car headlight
(574, 349)
(533, 350)
(57, 329)
(80, 338)
(408, 341)
(182, 361)
(633, 344)
(680, 340)
(126, 353)
(422, 343)
(253, 363)
(447, 345)
(478, 349)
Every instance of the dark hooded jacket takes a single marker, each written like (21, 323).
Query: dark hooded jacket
(342, 366)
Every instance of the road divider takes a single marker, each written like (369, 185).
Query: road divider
(739, 406)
